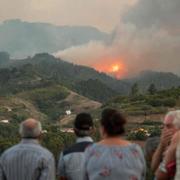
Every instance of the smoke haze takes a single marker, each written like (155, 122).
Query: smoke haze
(102, 14)
(147, 36)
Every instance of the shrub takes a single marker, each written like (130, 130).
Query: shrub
(138, 134)
(154, 131)
(155, 102)
(169, 102)
(150, 122)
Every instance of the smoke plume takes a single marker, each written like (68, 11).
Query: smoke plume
(146, 37)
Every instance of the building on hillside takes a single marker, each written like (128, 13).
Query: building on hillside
(68, 112)
(44, 131)
(67, 130)
(5, 121)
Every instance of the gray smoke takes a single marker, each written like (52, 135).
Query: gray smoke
(147, 37)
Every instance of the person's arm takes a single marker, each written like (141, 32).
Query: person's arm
(169, 159)
(171, 152)
(158, 155)
(161, 172)
(2, 176)
(2, 173)
(48, 169)
(143, 162)
(61, 168)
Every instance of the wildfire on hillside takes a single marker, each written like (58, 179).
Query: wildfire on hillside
(113, 67)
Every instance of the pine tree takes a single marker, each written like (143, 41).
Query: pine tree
(152, 89)
(135, 89)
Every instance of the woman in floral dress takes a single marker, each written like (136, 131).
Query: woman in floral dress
(114, 158)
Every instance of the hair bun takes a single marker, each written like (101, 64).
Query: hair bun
(113, 122)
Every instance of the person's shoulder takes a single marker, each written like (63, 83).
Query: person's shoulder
(44, 151)
(136, 149)
(93, 147)
(10, 150)
(151, 143)
(77, 148)
(135, 146)
(176, 138)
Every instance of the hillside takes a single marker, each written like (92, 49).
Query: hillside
(77, 104)
(147, 104)
(44, 104)
(44, 70)
(161, 80)
(22, 39)
(16, 109)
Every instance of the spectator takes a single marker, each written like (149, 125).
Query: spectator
(150, 147)
(71, 162)
(113, 157)
(168, 167)
(27, 160)
(167, 132)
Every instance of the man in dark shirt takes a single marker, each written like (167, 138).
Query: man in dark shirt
(71, 162)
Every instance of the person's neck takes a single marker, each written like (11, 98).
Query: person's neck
(85, 138)
(114, 140)
(30, 140)
(33, 138)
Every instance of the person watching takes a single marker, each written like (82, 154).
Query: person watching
(114, 157)
(27, 160)
(71, 161)
(170, 163)
(168, 131)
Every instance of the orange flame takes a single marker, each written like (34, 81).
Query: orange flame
(113, 67)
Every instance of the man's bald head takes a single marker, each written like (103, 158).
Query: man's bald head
(30, 128)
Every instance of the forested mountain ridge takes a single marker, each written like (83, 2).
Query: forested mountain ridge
(22, 39)
(43, 70)
(161, 80)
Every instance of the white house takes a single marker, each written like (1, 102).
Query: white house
(68, 112)
(6, 121)
(44, 131)
(67, 130)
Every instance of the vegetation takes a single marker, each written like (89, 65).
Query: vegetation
(144, 130)
(134, 89)
(152, 89)
(48, 100)
(44, 70)
(95, 89)
(146, 104)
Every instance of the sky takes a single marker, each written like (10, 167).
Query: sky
(144, 34)
(103, 14)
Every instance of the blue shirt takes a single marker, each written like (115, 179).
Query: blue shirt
(71, 162)
(114, 162)
(27, 160)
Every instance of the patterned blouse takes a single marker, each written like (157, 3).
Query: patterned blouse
(114, 162)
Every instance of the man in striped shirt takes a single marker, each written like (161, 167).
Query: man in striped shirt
(27, 160)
